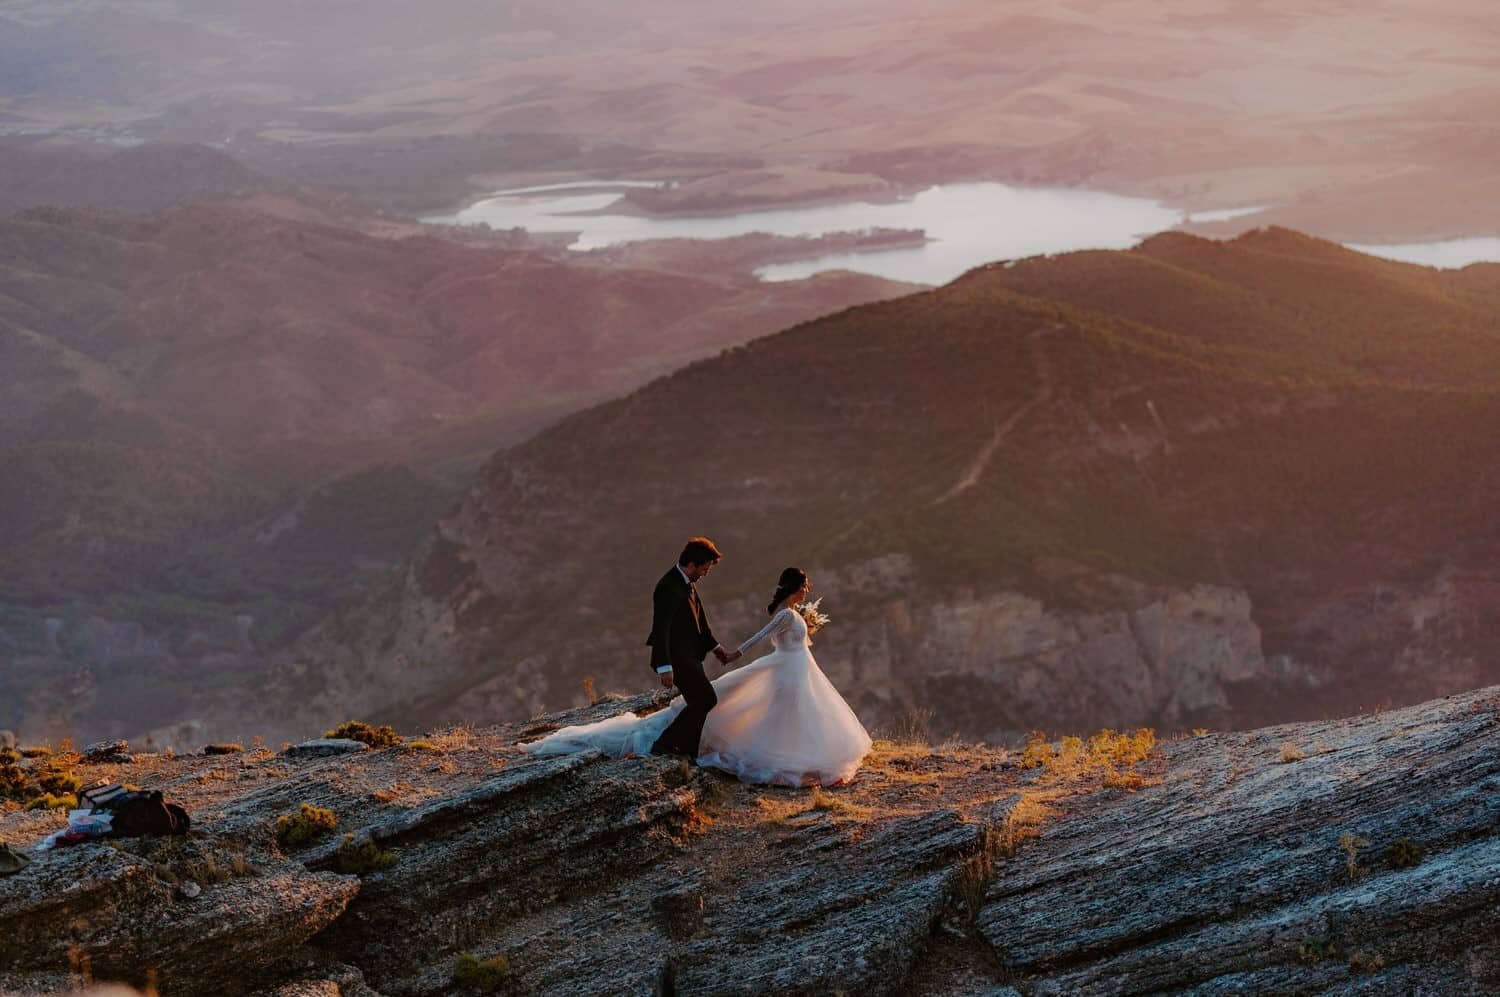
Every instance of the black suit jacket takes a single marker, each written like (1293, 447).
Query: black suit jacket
(680, 633)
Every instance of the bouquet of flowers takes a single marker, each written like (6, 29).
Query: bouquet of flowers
(814, 619)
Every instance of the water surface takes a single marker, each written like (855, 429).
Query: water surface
(967, 224)
(1451, 254)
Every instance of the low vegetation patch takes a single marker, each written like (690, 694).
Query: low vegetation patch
(830, 803)
(1291, 753)
(1315, 950)
(13, 781)
(306, 824)
(1403, 854)
(1350, 844)
(361, 857)
(58, 781)
(1104, 754)
(223, 749)
(49, 802)
(358, 730)
(36, 751)
(49, 787)
(484, 975)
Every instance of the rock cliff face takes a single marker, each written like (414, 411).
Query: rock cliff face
(1354, 856)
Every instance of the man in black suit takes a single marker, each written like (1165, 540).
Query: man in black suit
(680, 639)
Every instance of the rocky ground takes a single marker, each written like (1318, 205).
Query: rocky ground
(1352, 856)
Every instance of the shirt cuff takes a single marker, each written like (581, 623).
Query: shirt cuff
(663, 668)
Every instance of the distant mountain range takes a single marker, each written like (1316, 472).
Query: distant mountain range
(146, 177)
(1190, 484)
(212, 412)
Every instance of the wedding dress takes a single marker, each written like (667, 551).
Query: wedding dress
(779, 721)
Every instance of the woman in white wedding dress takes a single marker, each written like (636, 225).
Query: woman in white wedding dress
(779, 721)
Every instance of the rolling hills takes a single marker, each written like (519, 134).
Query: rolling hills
(210, 414)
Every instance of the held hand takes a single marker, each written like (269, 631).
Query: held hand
(666, 679)
(722, 655)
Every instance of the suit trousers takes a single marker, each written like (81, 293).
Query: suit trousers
(682, 736)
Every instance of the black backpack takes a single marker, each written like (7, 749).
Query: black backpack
(143, 812)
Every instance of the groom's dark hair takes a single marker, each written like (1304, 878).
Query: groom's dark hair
(699, 550)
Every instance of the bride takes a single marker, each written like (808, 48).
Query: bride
(779, 721)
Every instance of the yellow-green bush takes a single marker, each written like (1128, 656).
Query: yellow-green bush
(358, 730)
(485, 975)
(304, 825)
(49, 802)
(58, 781)
(361, 856)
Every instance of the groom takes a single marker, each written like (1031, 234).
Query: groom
(680, 639)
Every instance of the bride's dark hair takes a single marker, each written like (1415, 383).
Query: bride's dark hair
(790, 581)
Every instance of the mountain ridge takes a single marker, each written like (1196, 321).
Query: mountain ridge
(978, 446)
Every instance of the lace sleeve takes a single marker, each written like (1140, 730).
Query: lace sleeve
(777, 625)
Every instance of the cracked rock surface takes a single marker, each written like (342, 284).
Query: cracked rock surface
(1220, 870)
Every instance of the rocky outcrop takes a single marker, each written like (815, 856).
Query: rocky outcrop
(120, 913)
(1354, 856)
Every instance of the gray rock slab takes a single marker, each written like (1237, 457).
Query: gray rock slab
(1233, 866)
(323, 747)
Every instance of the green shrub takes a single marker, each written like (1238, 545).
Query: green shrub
(9, 756)
(37, 751)
(1315, 950)
(486, 975)
(58, 781)
(223, 749)
(49, 802)
(13, 782)
(301, 827)
(360, 857)
(1403, 854)
(421, 746)
(358, 730)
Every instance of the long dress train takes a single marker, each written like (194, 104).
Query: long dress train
(779, 720)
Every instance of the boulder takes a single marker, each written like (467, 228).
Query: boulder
(322, 747)
(107, 751)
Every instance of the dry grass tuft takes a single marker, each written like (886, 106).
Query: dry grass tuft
(1108, 755)
(1350, 844)
(1291, 753)
(396, 792)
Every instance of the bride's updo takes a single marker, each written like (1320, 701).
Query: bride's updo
(790, 581)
